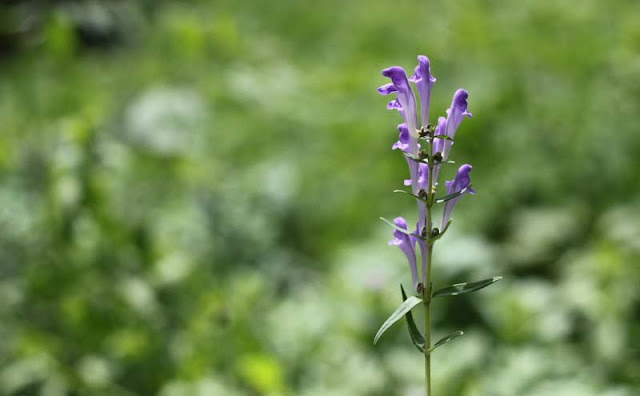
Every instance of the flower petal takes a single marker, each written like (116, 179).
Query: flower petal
(394, 105)
(423, 177)
(404, 96)
(455, 115)
(407, 246)
(404, 140)
(424, 82)
(387, 89)
(459, 183)
(438, 145)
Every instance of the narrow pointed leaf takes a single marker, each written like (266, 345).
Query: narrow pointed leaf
(452, 196)
(443, 137)
(446, 339)
(408, 193)
(402, 230)
(441, 233)
(436, 163)
(405, 307)
(416, 337)
(467, 287)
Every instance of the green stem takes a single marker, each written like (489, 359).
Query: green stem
(427, 344)
(426, 291)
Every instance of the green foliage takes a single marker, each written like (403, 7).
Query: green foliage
(449, 197)
(466, 287)
(414, 333)
(444, 340)
(404, 308)
(189, 193)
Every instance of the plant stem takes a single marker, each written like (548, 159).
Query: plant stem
(426, 291)
(427, 344)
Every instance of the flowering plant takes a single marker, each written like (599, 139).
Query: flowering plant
(426, 148)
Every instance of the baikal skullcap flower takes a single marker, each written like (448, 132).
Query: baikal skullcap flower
(407, 246)
(461, 184)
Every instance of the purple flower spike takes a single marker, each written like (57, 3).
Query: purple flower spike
(404, 98)
(424, 81)
(460, 182)
(404, 242)
(455, 114)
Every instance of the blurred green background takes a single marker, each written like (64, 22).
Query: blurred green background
(190, 192)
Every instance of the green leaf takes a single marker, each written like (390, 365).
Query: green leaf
(416, 337)
(454, 195)
(436, 163)
(416, 159)
(408, 193)
(467, 287)
(441, 233)
(446, 339)
(402, 230)
(405, 307)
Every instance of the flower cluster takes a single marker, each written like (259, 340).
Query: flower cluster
(424, 164)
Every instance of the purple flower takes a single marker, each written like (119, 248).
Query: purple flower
(404, 144)
(423, 184)
(405, 243)
(460, 182)
(410, 133)
(405, 102)
(404, 140)
(424, 81)
(438, 144)
(423, 177)
(455, 114)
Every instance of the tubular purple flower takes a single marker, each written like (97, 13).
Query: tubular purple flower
(422, 180)
(404, 139)
(423, 177)
(405, 243)
(404, 144)
(460, 182)
(424, 82)
(455, 114)
(405, 102)
(438, 145)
